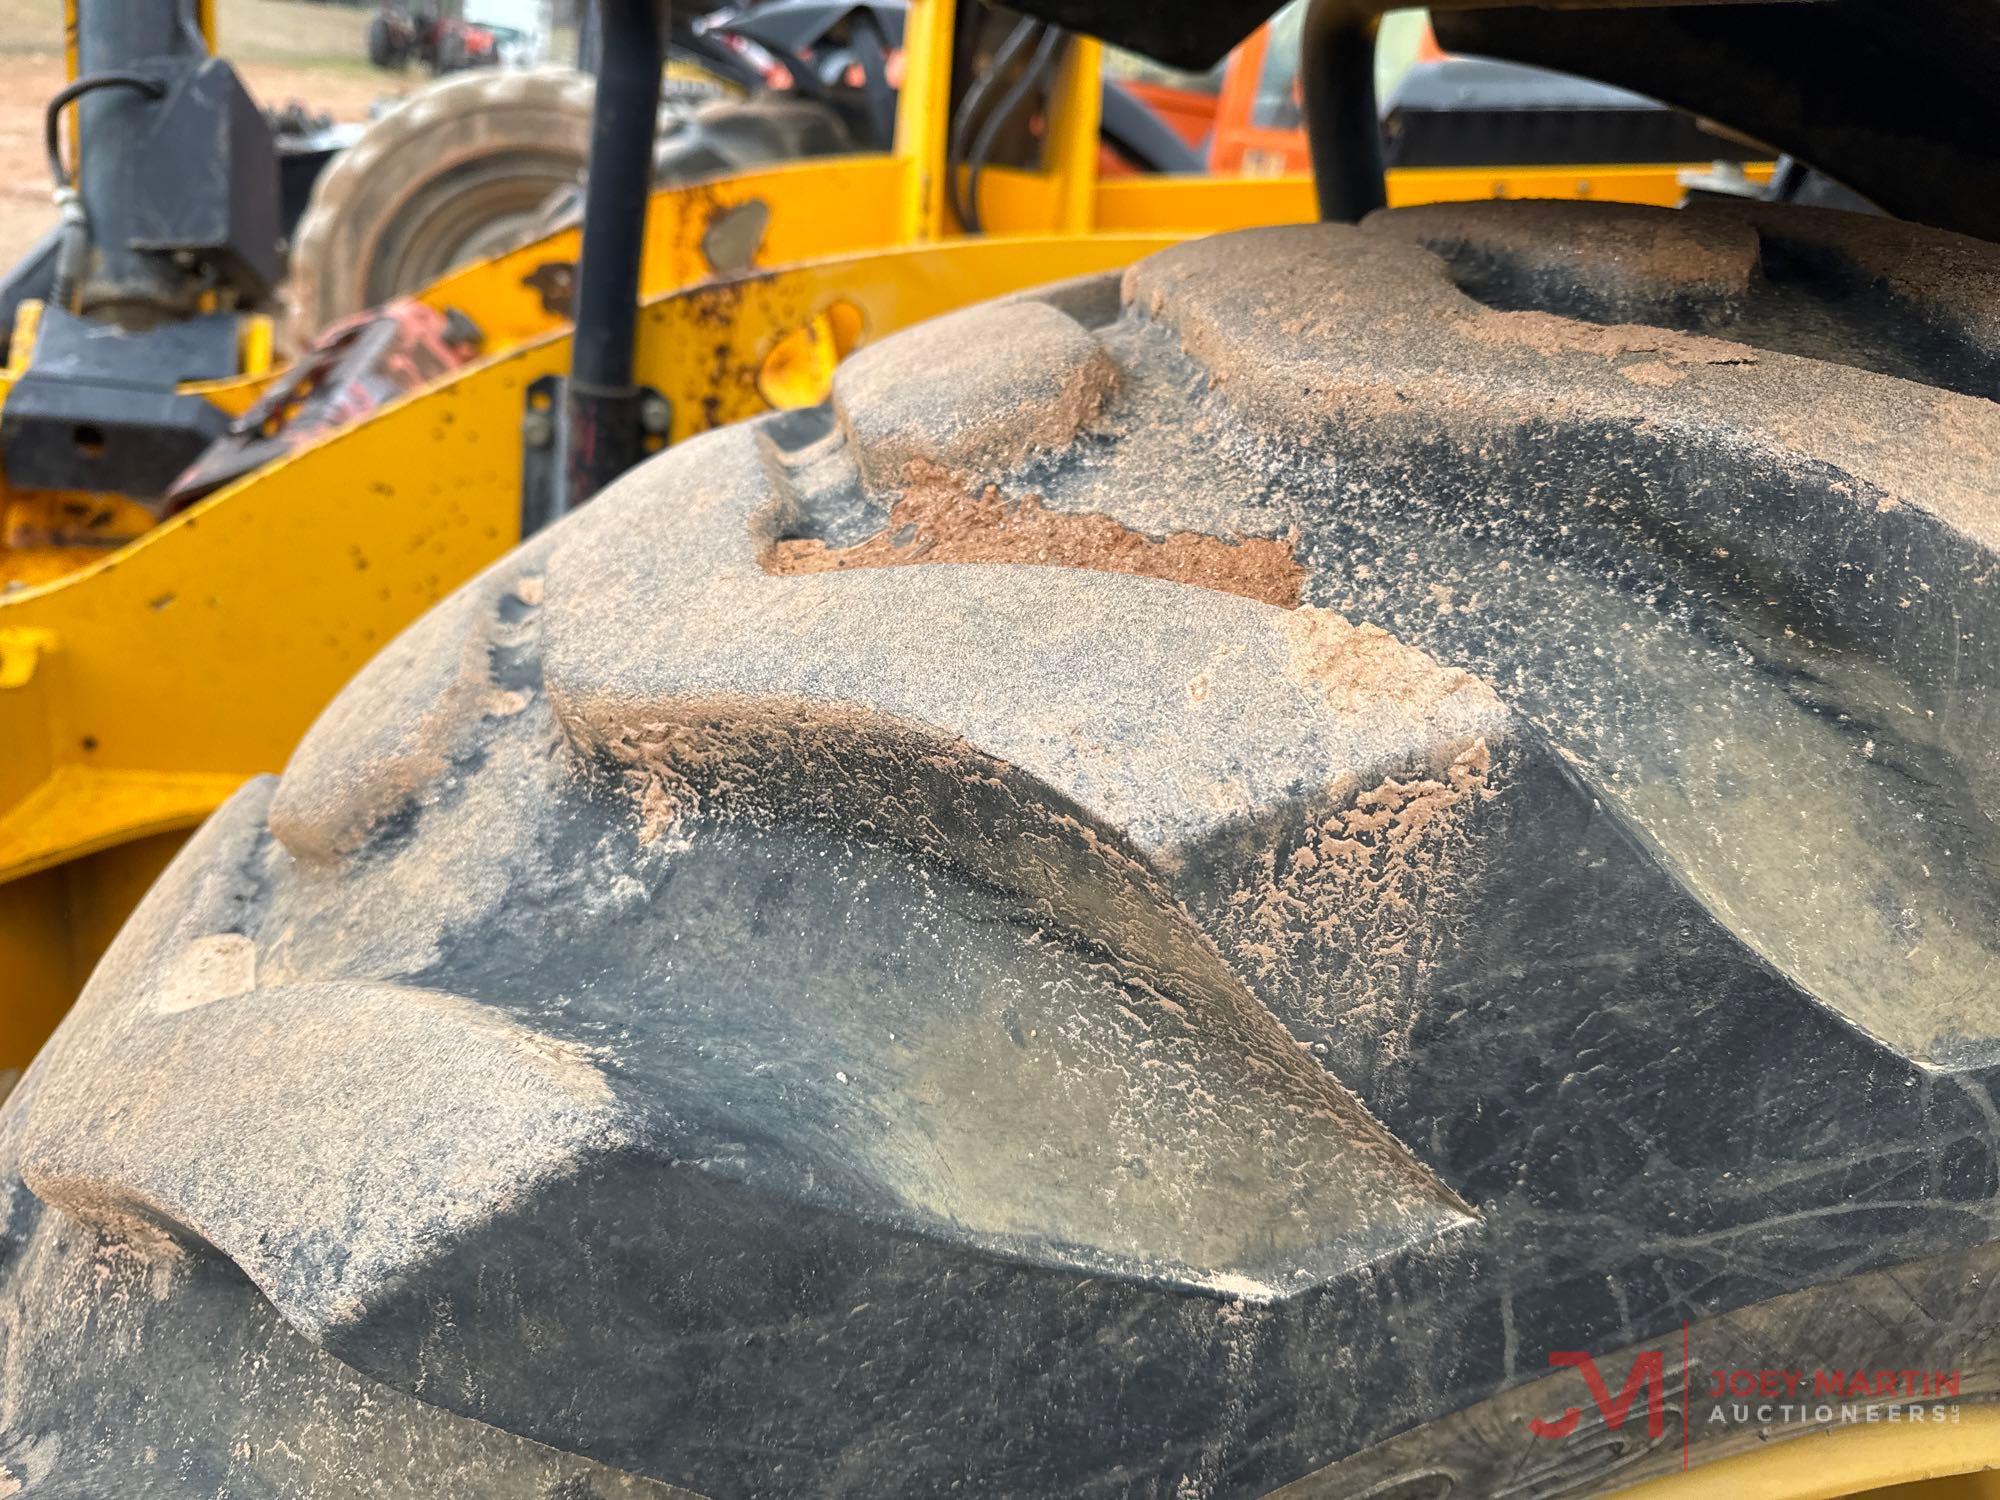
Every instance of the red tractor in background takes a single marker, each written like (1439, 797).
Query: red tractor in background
(440, 39)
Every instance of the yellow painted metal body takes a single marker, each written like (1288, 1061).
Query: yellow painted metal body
(1863, 1461)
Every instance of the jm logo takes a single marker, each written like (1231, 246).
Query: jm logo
(1648, 1373)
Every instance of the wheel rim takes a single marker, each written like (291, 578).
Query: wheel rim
(473, 211)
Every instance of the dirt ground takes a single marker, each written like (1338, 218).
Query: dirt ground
(285, 50)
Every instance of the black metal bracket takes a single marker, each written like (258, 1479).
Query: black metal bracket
(639, 426)
(99, 408)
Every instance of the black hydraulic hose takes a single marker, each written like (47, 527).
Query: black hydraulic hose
(1343, 128)
(1032, 76)
(73, 249)
(616, 185)
(971, 110)
(603, 400)
(152, 88)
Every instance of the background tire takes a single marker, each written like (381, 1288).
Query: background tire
(460, 170)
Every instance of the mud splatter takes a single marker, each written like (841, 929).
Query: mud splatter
(934, 521)
(1357, 667)
(217, 966)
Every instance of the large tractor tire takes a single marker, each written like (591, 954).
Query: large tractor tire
(484, 161)
(1173, 894)
(460, 170)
